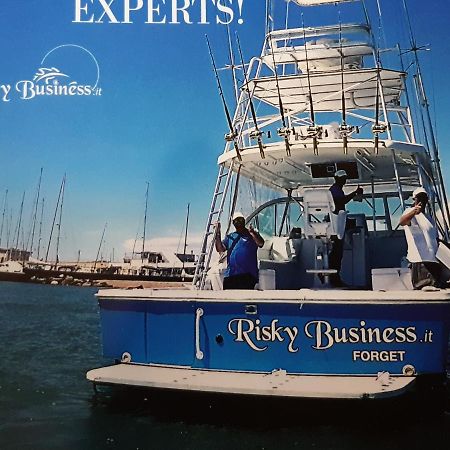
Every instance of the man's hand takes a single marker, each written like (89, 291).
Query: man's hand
(359, 190)
(217, 228)
(405, 219)
(218, 238)
(256, 236)
(417, 209)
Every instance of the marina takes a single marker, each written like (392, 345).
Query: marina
(285, 281)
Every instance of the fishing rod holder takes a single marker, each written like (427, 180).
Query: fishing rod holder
(230, 137)
(256, 134)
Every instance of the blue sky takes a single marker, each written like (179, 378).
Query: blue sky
(158, 119)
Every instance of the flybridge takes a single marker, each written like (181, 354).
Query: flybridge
(201, 12)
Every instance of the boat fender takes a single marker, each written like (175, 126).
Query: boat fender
(126, 357)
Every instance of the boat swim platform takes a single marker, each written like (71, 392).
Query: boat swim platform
(275, 384)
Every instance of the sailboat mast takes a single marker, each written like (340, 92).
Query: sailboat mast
(5, 202)
(145, 224)
(186, 234)
(59, 220)
(100, 245)
(36, 206)
(54, 219)
(19, 224)
(40, 229)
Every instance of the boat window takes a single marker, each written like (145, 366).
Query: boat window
(279, 219)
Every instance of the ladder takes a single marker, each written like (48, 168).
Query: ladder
(220, 192)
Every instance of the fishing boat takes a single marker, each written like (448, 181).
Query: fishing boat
(318, 99)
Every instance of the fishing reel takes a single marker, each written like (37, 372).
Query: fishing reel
(378, 129)
(347, 130)
(284, 132)
(314, 131)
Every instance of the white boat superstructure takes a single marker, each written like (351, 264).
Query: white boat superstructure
(325, 101)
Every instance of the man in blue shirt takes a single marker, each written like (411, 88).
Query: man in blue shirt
(340, 200)
(241, 247)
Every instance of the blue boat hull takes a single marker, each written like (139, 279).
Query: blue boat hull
(307, 338)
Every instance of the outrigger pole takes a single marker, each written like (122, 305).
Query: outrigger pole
(257, 133)
(285, 131)
(425, 105)
(314, 130)
(231, 136)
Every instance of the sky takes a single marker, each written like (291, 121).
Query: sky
(158, 118)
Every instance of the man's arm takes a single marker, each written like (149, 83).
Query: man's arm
(406, 217)
(352, 195)
(259, 241)
(218, 239)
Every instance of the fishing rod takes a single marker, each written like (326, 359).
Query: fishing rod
(313, 130)
(285, 131)
(344, 129)
(378, 128)
(231, 136)
(257, 133)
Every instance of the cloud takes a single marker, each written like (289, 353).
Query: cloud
(169, 244)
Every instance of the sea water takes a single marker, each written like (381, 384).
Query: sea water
(50, 337)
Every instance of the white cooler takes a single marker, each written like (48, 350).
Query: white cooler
(392, 279)
(267, 280)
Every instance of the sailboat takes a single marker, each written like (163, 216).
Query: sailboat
(317, 100)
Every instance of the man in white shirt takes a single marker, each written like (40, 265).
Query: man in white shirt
(421, 237)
